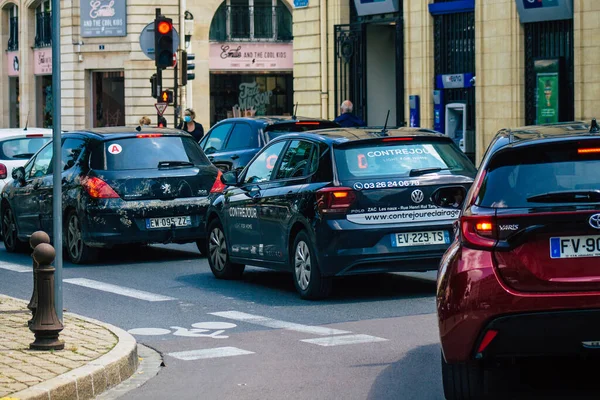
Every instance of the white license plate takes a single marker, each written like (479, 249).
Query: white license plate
(167, 222)
(575, 246)
(420, 238)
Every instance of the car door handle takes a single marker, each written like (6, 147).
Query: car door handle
(235, 157)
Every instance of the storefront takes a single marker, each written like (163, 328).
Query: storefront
(108, 98)
(42, 70)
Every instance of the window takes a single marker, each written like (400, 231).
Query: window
(216, 139)
(71, 150)
(21, 149)
(277, 130)
(261, 168)
(43, 25)
(13, 28)
(242, 137)
(295, 160)
(42, 165)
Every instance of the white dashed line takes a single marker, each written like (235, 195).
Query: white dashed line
(15, 267)
(273, 323)
(123, 291)
(202, 354)
(343, 340)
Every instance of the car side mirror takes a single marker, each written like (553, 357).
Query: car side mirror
(230, 178)
(18, 174)
(449, 197)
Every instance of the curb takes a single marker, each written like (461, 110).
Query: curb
(90, 380)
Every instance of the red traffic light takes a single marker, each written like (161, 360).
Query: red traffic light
(164, 27)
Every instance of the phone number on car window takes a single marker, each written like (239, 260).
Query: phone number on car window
(383, 185)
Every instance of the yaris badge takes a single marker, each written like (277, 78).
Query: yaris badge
(417, 196)
(595, 221)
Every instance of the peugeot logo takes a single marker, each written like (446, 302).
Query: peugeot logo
(417, 197)
(595, 221)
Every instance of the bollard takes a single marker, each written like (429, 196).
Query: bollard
(46, 326)
(38, 237)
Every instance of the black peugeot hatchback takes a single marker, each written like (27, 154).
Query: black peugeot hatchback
(340, 202)
(120, 186)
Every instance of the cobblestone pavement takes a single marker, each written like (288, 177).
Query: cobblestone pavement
(21, 368)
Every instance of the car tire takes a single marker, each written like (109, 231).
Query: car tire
(218, 254)
(202, 245)
(10, 235)
(75, 248)
(462, 381)
(309, 282)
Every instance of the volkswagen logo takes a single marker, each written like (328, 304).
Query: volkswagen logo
(417, 197)
(595, 221)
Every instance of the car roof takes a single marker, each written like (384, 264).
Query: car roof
(533, 134)
(344, 135)
(127, 131)
(271, 120)
(9, 132)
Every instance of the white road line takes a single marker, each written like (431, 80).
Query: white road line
(343, 340)
(273, 323)
(209, 353)
(15, 267)
(123, 291)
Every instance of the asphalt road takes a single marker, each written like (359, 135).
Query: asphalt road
(375, 338)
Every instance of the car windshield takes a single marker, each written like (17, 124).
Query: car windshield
(401, 158)
(276, 130)
(21, 148)
(147, 153)
(545, 175)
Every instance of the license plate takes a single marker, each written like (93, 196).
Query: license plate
(167, 222)
(420, 238)
(575, 246)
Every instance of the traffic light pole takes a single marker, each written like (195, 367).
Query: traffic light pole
(159, 91)
(175, 89)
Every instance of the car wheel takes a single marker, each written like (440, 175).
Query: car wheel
(462, 381)
(218, 256)
(77, 251)
(307, 276)
(202, 245)
(10, 236)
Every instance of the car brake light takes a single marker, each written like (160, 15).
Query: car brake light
(589, 150)
(32, 135)
(478, 231)
(307, 123)
(3, 171)
(98, 189)
(218, 186)
(335, 199)
(149, 135)
(397, 139)
(487, 339)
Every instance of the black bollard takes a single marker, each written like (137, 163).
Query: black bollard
(38, 237)
(46, 326)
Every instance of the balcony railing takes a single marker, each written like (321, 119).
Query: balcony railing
(251, 23)
(43, 29)
(13, 33)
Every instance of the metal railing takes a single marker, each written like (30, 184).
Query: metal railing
(43, 30)
(251, 23)
(13, 34)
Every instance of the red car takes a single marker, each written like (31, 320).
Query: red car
(522, 277)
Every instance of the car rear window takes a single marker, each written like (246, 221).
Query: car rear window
(276, 130)
(399, 158)
(146, 152)
(21, 148)
(515, 175)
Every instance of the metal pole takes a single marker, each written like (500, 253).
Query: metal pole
(56, 137)
(158, 70)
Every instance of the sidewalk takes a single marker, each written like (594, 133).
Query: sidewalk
(96, 357)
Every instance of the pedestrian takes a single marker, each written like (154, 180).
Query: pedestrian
(347, 119)
(190, 125)
(145, 121)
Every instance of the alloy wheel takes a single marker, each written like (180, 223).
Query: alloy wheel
(217, 249)
(9, 228)
(302, 265)
(74, 240)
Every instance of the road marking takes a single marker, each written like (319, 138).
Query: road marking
(273, 323)
(123, 291)
(15, 267)
(343, 340)
(209, 353)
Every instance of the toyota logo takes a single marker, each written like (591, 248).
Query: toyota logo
(417, 197)
(595, 221)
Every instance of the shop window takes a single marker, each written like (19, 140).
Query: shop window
(13, 28)
(43, 25)
(108, 91)
(44, 100)
(251, 20)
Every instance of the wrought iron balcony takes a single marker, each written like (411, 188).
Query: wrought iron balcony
(43, 30)
(13, 34)
(251, 23)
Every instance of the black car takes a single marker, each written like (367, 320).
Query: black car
(340, 202)
(231, 143)
(120, 186)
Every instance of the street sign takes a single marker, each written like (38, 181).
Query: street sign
(160, 108)
(147, 40)
(300, 3)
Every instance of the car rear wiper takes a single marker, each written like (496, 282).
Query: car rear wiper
(423, 171)
(174, 164)
(566, 196)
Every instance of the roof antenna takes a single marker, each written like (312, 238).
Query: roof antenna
(384, 130)
(594, 128)
(295, 111)
(27, 122)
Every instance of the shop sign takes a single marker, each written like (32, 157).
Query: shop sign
(251, 57)
(547, 96)
(103, 18)
(42, 61)
(371, 7)
(13, 63)
(454, 81)
(544, 10)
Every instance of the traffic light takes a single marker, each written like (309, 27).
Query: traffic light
(166, 96)
(163, 42)
(186, 66)
(154, 85)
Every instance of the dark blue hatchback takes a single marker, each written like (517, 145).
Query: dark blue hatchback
(340, 202)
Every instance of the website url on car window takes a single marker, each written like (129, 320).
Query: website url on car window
(404, 216)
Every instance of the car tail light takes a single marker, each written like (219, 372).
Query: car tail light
(478, 231)
(3, 171)
(32, 135)
(589, 150)
(397, 139)
(218, 186)
(485, 342)
(148, 135)
(98, 189)
(307, 123)
(335, 199)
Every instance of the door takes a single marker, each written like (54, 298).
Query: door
(213, 145)
(241, 205)
(280, 198)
